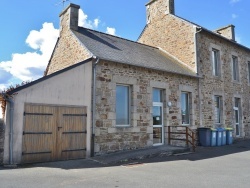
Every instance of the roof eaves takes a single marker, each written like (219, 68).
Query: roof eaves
(48, 76)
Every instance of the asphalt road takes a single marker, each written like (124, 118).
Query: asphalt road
(227, 166)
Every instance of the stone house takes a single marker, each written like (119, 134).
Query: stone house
(128, 93)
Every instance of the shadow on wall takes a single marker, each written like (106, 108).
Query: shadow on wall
(1, 140)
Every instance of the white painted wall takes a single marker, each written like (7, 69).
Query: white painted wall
(72, 87)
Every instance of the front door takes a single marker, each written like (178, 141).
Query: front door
(237, 116)
(158, 136)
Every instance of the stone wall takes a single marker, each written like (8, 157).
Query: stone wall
(224, 85)
(1, 140)
(170, 33)
(139, 134)
(68, 50)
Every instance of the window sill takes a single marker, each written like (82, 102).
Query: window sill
(236, 82)
(217, 78)
(122, 126)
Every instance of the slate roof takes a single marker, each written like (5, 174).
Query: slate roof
(116, 49)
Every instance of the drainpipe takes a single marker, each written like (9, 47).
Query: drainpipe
(93, 106)
(198, 72)
(10, 101)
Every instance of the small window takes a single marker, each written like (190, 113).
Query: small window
(185, 108)
(248, 72)
(235, 69)
(122, 105)
(216, 62)
(217, 109)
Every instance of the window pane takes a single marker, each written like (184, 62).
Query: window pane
(122, 105)
(217, 110)
(235, 69)
(157, 115)
(215, 54)
(237, 101)
(236, 116)
(157, 95)
(185, 108)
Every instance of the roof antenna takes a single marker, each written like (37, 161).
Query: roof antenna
(62, 2)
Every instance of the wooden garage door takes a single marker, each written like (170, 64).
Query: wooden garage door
(53, 133)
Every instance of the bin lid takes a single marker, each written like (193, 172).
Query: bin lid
(229, 129)
(212, 129)
(220, 129)
(203, 128)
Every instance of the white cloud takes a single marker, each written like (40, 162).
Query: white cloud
(84, 22)
(31, 65)
(234, 1)
(111, 30)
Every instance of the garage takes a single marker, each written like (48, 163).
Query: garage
(52, 133)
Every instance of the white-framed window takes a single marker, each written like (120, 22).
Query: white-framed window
(158, 118)
(248, 64)
(122, 105)
(235, 67)
(237, 116)
(218, 109)
(216, 62)
(185, 108)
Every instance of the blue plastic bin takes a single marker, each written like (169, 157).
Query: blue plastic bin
(213, 137)
(224, 137)
(219, 137)
(204, 136)
(229, 136)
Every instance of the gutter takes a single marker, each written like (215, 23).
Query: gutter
(93, 105)
(10, 101)
(198, 71)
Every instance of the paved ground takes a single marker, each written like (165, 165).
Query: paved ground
(227, 166)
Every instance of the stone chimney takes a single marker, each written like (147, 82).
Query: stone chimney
(227, 32)
(69, 17)
(157, 9)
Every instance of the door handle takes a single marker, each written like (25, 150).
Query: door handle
(59, 128)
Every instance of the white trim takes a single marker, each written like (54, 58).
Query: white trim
(159, 104)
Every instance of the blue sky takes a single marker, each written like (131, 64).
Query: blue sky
(30, 27)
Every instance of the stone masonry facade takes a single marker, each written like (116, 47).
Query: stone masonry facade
(108, 136)
(177, 36)
(190, 45)
(170, 33)
(1, 140)
(68, 50)
(224, 85)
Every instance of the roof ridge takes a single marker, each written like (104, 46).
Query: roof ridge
(119, 37)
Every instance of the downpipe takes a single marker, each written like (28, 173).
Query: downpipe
(198, 72)
(93, 106)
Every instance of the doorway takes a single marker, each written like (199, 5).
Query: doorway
(237, 116)
(158, 125)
